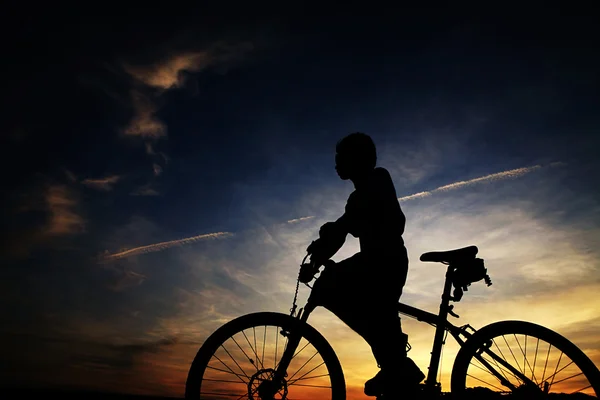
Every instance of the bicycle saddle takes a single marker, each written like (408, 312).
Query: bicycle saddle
(450, 256)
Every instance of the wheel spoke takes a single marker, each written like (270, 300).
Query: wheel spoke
(535, 357)
(291, 382)
(556, 372)
(310, 377)
(220, 380)
(227, 372)
(287, 340)
(256, 352)
(314, 386)
(495, 362)
(511, 352)
(246, 394)
(546, 364)
(570, 377)
(555, 369)
(577, 391)
(300, 351)
(236, 363)
(263, 349)
(303, 365)
(245, 355)
(500, 368)
(526, 360)
(276, 343)
(253, 350)
(525, 355)
(227, 366)
(225, 394)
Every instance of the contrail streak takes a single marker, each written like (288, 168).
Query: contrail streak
(293, 221)
(513, 173)
(164, 245)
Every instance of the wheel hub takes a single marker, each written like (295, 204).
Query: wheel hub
(264, 385)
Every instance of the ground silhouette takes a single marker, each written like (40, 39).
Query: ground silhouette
(66, 394)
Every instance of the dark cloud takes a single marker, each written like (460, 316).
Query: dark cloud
(146, 190)
(52, 360)
(103, 184)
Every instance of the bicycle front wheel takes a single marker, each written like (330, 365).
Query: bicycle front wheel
(525, 359)
(246, 351)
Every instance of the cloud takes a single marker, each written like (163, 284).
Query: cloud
(93, 361)
(70, 175)
(150, 149)
(293, 221)
(62, 205)
(150, 82)
(104, 184)
(37, 215)
(127, 279)
(145, 190)
(144, 123)
(510, 174)
(166, 74)
(164, 245)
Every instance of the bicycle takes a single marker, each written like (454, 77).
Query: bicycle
(259, 373)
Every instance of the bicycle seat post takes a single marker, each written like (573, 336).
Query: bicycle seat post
(438, 339)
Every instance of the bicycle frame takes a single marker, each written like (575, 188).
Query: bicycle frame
(440, 321)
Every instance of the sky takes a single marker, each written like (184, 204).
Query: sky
(165, 170)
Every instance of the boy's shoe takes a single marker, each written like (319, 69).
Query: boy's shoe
(403, 378)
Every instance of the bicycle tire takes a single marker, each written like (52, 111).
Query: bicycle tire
(193, 385)
(496, 329)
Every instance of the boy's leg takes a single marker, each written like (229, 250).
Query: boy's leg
(367, 303)
(370, 309)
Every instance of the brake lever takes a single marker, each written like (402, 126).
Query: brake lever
(450, 308)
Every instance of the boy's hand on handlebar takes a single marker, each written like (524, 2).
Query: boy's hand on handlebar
(313, 247)
(328, 229)
(307, 272)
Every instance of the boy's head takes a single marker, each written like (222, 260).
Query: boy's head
(355, 155)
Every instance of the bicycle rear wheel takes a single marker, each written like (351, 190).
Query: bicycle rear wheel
(525, 359)
(245, 352)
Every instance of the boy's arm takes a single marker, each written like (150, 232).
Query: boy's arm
(331, 239)
(350, 221)
(332, 236)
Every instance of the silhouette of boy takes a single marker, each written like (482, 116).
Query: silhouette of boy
(363, 290)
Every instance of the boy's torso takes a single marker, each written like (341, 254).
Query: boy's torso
(377, 219)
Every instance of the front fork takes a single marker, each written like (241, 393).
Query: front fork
(294, 336)
(269, 387)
